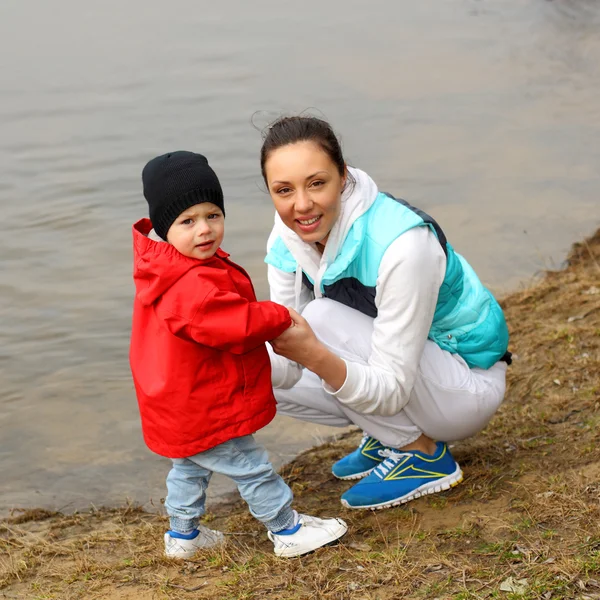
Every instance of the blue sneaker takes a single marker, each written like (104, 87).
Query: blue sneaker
(404, 476)
(362, 461)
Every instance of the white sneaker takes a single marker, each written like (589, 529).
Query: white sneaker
(312, 534)
(180, 548)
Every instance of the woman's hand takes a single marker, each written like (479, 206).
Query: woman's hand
(298, 342)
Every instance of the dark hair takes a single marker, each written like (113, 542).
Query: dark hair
(289, 130)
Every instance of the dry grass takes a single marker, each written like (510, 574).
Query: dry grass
(525, 523)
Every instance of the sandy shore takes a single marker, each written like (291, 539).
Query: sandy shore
(524, 524)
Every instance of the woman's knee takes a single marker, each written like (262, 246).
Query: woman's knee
(317, 312)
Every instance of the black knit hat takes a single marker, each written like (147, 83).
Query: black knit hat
(175, 181)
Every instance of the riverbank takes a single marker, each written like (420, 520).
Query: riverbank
(524, 524)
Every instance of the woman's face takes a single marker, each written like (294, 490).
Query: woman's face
(306, 188)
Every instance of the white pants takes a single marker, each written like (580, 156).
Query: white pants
(449, 401)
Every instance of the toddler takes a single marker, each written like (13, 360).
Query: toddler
(200, 366)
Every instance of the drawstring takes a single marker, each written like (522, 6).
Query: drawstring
(298, 286)
(317, 283)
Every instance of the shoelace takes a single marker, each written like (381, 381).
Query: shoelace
(393, 458)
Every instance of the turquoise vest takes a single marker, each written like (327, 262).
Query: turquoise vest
(467, 321)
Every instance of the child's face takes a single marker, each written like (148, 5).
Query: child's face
(198, 231)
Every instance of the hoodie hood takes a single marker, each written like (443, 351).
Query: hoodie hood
(356, 200)
(156, 264)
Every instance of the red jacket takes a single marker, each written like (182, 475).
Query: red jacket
(200, 366)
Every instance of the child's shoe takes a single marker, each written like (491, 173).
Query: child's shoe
(307, 535)
(179, 545)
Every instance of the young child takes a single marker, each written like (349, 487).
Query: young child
(200, 365)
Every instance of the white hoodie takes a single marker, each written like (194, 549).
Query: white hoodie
(410, 275)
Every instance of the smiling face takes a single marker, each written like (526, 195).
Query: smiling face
(198, 231)
(306, 188)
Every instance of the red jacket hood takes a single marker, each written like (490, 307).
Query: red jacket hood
(158, 265)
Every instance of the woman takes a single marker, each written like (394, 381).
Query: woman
(397, 334)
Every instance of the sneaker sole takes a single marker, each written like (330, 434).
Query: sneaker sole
(440, 485)
(354, 476)
(186, 555)
(292, 553)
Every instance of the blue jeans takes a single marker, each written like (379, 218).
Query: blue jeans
(247, 463)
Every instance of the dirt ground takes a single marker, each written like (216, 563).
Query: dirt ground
(525, 523)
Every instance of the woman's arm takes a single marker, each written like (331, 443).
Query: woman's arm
(300, 344)
(410, 276)
(285, 373)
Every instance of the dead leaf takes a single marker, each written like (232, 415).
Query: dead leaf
(515, 586)
(359, 546)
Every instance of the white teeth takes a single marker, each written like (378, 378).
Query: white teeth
(309, 222)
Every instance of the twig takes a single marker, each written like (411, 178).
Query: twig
(535, 437)
(589, 312)
(186, 589)
(565, 418)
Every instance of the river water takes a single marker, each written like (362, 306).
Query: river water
(485, 113)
